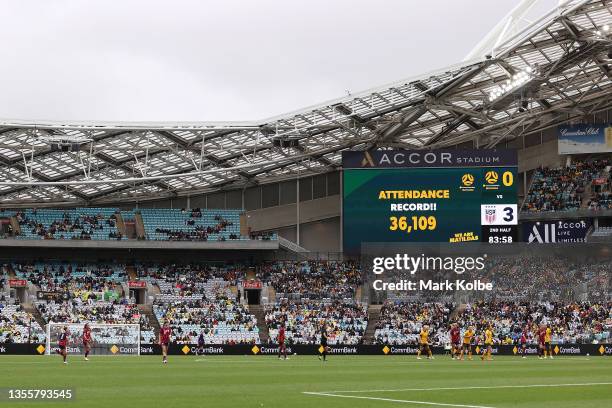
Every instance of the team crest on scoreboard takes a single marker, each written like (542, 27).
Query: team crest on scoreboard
(490, 214)
(491, 178)
(467, 182)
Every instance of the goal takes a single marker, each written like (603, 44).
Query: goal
(107, 339)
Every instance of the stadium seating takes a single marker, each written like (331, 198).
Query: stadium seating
(159, 224)
(345, 321)
(401, 322)
(571, 322)
(548, 278)
(601, 201)
(193, 306)
(201, 298)
(91, 293)
(78, 223)
(18, 326)
(565, 188)
(312, 279)
(191, 225)
(71, 276)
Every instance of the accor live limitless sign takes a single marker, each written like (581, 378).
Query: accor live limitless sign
(548, 232)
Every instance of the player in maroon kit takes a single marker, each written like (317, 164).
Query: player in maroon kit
(87, 340)
(524, 343)
(63, 344)
(542, 342)
(282, 347)
(164, 340)
(455, 335)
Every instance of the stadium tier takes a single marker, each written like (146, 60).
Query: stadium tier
(79, 223)
(345, 321)
(315, 280)
(401, 322)
(194, 306)
(102, 224)
(18, 326)
(191, 225)
(571, 187)
(570, 322)
(204, 299)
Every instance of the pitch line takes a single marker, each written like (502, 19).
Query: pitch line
(492, 387)
(439, 404)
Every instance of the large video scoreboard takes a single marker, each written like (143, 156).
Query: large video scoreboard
(429, 196)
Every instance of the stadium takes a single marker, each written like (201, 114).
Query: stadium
(440, 241)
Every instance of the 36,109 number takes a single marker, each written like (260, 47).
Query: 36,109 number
(414, 223)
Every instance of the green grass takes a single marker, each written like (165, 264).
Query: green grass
(264, 381)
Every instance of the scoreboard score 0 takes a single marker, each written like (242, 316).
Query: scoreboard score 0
(429, 196)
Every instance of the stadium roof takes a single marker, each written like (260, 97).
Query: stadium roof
(556, 69)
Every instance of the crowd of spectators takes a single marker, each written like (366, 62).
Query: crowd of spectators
(564, 188)
(572, 322)
(220, 320)
(83, 293)
(556, 189)
(548, 277)
(188, 274)
(69, 226)
(199, 301)
(199, 232)
(312, 279)
(202, 299)
(601, 201)
(17, 325)
(75, 279)
(344, 321)
(401, 322)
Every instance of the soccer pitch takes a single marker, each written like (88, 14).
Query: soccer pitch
(304, 381)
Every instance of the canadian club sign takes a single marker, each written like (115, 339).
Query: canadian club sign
(561, 231)
(137, 284)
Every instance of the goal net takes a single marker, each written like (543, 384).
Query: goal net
(106, 339)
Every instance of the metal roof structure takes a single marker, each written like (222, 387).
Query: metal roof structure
(556, 69)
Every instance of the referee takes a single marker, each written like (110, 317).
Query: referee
(323, 343)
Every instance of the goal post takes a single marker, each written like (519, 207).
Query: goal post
(107, 339)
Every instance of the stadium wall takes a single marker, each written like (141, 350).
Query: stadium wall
(88, 254)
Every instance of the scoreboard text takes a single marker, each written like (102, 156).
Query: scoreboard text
(429, 196)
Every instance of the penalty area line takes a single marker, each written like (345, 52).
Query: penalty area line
(439, 404)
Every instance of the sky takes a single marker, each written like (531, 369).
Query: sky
(225, 60)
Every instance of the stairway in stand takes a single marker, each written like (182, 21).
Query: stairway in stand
(260, 315)
(10, 271)
(458, 310)
(147, 310)
(31, 309)
(373, 316)
(131, 272)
